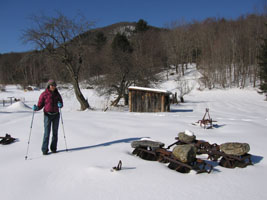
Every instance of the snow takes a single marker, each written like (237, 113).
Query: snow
(126, 30)
(97, 140)
(148, 89)
(189, 133)
(18, 106)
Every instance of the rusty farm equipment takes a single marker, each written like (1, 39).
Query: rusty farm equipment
(230, 155)
(183, 157)
(154, 151)
(206, 122)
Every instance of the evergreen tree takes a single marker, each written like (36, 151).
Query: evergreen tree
(263, 65)
(100, 40)
(121, 43)
(141, 26)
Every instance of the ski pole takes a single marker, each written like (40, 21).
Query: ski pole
(63, 129)
(29, 136)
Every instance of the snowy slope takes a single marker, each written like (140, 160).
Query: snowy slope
(98, 140)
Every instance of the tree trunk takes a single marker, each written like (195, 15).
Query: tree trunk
(183, 69)
(126, 99)
(83, 102)
(120, 90)
(116, 101)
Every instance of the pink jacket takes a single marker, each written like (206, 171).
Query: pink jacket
(48, 100)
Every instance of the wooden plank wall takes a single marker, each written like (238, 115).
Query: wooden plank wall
(146, 101)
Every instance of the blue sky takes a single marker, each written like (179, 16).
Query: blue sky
(14, 14)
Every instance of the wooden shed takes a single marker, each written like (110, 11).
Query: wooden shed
(148, 100)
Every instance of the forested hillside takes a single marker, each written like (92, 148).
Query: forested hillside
(226, 53)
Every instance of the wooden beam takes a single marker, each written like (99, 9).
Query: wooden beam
(130, 101)
(162, 103)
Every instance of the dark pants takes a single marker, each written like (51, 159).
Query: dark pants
(50, 120)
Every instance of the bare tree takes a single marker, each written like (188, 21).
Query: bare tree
(62, 39)
(119, 78)
(180, 45)
(184, 88)
(148, 57)
(8, 68)
(33, 69)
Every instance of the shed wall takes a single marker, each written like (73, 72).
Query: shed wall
(146, 101)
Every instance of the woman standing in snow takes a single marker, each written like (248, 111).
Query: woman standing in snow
(51, 101)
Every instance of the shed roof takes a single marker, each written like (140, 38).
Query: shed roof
(149, 89)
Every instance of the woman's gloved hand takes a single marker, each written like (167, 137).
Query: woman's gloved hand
(35, 108)
(59, 105)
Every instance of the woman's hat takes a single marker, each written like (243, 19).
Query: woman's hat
(51, 82)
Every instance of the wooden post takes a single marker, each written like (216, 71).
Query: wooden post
(130, 101)
(162, 103)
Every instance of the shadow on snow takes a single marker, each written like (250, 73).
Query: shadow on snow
(127, 140)
(256, 159)
(181, 110)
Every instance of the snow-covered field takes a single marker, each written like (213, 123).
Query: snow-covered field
(97, 140)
